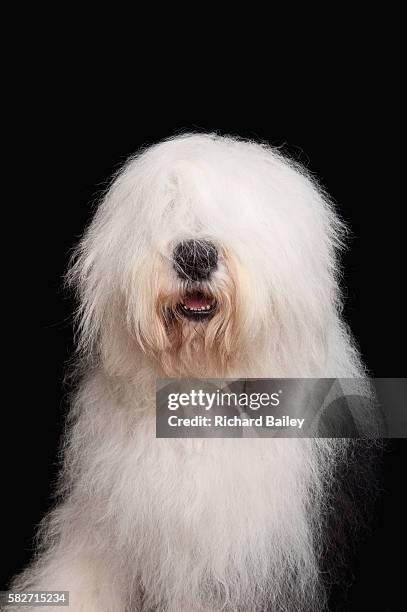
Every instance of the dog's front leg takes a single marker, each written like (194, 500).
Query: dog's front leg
(91, 582)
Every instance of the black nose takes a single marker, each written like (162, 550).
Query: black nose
(195, 259)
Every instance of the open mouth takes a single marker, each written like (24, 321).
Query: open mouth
(197, 305)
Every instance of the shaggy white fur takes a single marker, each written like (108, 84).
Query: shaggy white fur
(197, 525)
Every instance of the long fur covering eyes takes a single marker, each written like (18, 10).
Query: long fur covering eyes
(172, 525)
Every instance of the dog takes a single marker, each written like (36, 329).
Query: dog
(209, 256)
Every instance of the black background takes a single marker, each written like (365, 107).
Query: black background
(73, 139)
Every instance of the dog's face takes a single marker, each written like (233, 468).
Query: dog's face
(211, 257)
(193, 327)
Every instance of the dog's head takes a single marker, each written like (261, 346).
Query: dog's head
(210, 256)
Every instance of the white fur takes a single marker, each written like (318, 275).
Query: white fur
(197, 525)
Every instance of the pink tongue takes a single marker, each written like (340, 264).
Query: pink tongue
(197, 301)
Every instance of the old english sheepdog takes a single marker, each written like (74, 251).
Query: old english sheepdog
(215, 257)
